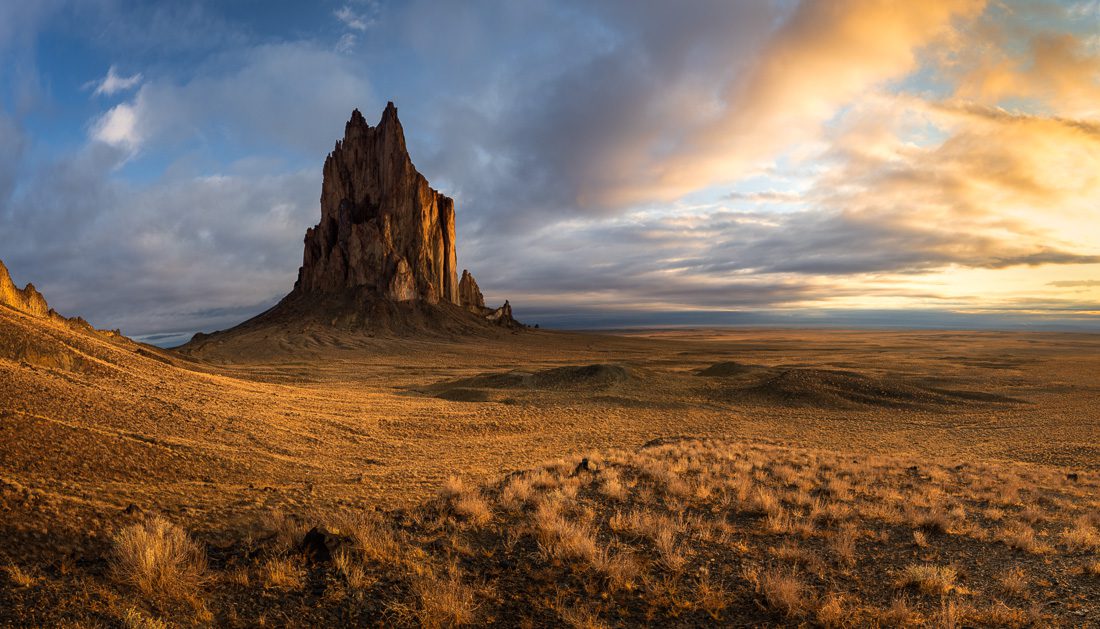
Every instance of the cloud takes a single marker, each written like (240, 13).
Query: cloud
(1075, 283)
(1024, 59)
(766, 196)
(118, 127)
(188, 252)
(353, 20)
(346, 43)
(824, 55)
(12, 146)
(113, 83)
(257, 98)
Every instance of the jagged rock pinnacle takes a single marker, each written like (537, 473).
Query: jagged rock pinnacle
(382, 226)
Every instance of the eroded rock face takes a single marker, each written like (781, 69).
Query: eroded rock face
(382, 226)
(26, 299)
(502, 315)
(469, 294)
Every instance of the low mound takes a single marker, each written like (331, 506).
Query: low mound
(577, 377)
(481, 388)
(836, 389)
(683, 533)
(728, 369)
(464, 395)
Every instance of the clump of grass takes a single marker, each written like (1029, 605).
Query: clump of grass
(158, 559)
(843, 545)
(371, 537)
(353, 571)
(580, 617)
(473, 508)
(1082, 536)
(671, 554)
(451, 488)
(1014, 581)
(561, 538)
(444, 601)
(711, 598)
(1022, 537)
(612, 485)
(20, 577)
(831, 612)
(898, 614)
(517, 492)
(133, 618)
(929, 579)
(783, 591)
(282, 573)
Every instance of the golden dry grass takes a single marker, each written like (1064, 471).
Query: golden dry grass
(158, 559)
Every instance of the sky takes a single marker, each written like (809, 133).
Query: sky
(616, 163)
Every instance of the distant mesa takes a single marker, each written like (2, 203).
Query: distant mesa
(383, 254)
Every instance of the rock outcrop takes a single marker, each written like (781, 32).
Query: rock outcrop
(384, 232)
(382, 226)
(380, 263)
(502, 315)
(469, 294)
(27, 300)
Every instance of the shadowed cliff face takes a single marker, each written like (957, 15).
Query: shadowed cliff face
(382, 226)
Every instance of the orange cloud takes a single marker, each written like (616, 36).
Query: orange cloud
(827, 53)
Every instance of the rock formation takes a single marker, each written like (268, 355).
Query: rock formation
(469, 294)
(384, 232)
(382, 227)
(381, 261)
(27, 300)
(31, 302)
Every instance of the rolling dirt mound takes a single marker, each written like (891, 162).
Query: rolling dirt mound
(837, 389)
(480, 388)
(727, 369)
(598, 376)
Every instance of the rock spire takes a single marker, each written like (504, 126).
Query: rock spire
(382, 226)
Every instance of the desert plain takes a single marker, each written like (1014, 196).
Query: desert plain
(248, 440)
